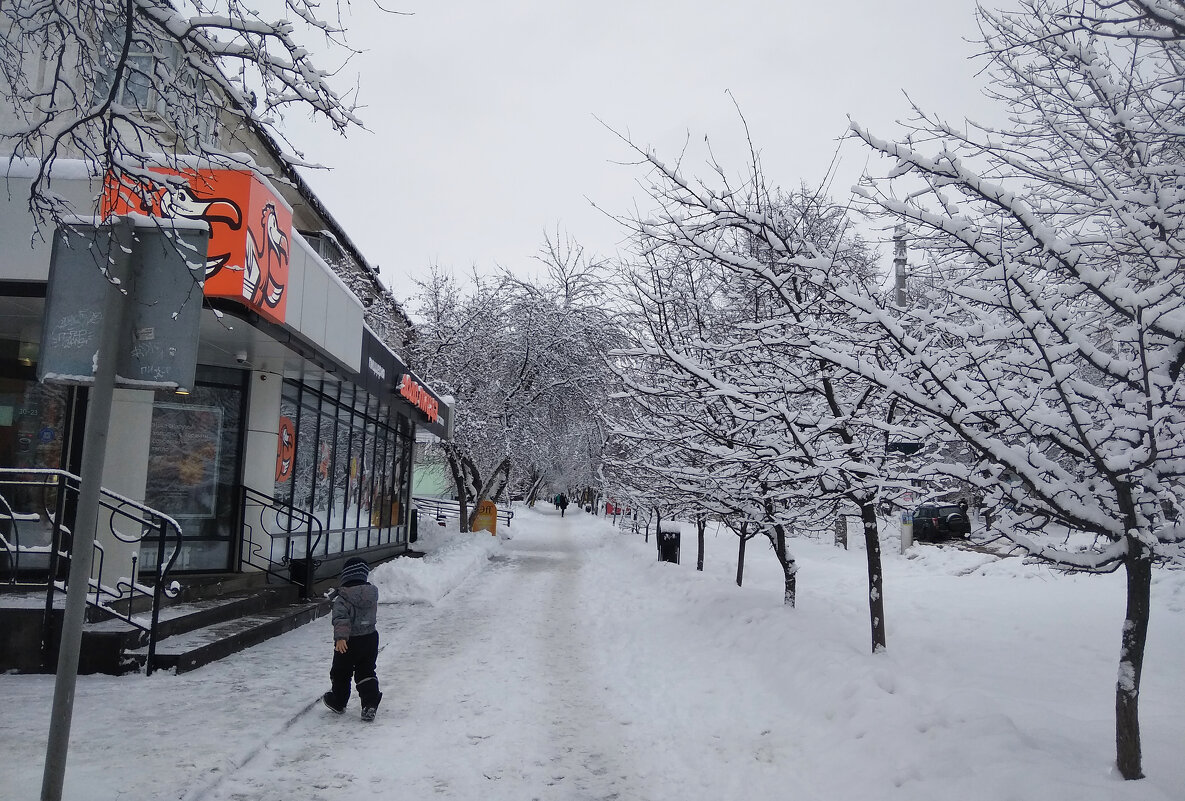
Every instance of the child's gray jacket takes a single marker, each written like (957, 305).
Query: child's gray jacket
(355, 608)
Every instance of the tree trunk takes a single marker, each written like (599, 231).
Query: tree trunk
(1138, 566)
(458, 471)
(876, 599)
(533, 495)
(791, 572)
(700, 525)
(484, 490)
(741, 557)
(472, 493)
(789, 568)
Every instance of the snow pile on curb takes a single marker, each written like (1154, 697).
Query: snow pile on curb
(450, 558)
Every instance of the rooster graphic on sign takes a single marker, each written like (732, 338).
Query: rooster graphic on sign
(266, 248)
(265, 260)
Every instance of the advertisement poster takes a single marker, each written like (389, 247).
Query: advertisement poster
(486, 518)
(183, 460)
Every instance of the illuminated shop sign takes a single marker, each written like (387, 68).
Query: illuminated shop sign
(386, 376)
(250, 228)
(420, 398)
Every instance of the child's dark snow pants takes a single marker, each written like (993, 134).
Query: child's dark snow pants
(357, 663)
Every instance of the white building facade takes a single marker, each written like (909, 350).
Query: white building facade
(298, 430)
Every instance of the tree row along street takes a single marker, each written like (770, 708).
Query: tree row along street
(741, 362)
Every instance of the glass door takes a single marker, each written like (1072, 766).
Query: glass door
(194, 465)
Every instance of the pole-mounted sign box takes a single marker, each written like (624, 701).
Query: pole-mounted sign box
(158, 266)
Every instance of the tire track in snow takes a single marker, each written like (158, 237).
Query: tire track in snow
(301, 759)
(586, 746)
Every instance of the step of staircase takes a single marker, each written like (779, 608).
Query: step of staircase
(179, 618)
(194, 633)
(200, 646)
(195, 588)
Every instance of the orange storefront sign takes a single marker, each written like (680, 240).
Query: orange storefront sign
(250, 228)
(419, 397)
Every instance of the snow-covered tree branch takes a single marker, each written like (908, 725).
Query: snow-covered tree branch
(525, 360)
(732, 281)
(119, 84)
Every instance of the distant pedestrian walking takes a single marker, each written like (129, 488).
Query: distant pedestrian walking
(355, 641)
(563, 504)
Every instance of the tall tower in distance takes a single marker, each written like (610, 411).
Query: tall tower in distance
(900, 296)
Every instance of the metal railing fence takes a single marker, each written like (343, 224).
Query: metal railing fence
(36, 545)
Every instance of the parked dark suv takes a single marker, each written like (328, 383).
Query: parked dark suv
(938, 522)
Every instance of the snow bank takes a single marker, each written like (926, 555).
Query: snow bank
(450, 557)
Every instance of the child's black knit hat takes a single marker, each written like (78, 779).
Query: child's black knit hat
(355, 569)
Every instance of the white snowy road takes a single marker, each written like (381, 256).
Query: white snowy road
(504, 653)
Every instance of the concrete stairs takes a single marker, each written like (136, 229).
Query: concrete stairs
(208, 621)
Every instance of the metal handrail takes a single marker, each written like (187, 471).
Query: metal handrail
(446, 507)
(121, 514)
(278, 520)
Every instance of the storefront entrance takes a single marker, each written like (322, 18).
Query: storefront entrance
(194, 465)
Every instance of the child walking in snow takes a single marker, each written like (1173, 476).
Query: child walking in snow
(355, 641)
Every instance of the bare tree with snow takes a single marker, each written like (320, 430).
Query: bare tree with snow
(525, 360)
(1054, 340)
(726, 287)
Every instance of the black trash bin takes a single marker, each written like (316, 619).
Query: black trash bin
(668, 542)
(414, 529)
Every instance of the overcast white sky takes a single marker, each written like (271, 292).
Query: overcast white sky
(483, 115)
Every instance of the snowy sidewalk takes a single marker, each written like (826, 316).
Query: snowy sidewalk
(566, 663)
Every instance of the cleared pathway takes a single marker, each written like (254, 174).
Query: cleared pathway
(508, 698)
(574, 666)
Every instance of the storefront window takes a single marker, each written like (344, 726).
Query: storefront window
(402, 460)
(345, 477)
(34, 427)
(33, 423)
(311, 486)
(345, 468)
(382, 480)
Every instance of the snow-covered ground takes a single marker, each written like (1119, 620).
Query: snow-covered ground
(566, 663)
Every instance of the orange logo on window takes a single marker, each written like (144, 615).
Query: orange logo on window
(250, 228)
(285, 450)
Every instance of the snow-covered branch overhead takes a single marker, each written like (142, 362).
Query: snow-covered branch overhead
(117, 83)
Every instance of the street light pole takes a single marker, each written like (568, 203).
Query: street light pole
(901, 298)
